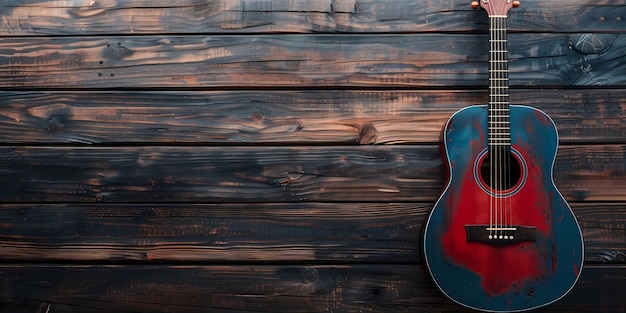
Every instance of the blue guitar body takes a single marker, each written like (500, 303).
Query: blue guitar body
(537, 254)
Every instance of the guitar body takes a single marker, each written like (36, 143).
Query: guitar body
(542, 258)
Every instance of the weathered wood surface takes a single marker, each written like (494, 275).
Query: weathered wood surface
(270, 174)
(258, 288)
(33, 17)
(286, 117)
(307, 61)
(229, 169)
(357, 233)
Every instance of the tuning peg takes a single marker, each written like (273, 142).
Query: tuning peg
(516, 4)
(475, 5)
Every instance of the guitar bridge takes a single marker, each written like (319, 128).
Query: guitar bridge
(495, 235)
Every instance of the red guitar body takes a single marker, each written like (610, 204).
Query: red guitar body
(544, 257)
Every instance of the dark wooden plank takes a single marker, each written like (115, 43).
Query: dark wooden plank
(57, 17)
(253, 117)
(261, 233)
(603, 231)
(280, 288)
(307, 61)
(270, 174)
(295, 117)
(302, 232)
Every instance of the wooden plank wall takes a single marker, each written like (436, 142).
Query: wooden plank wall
(278, 155)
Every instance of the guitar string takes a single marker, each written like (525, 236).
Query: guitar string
(496, 148)
(497, 90)
(502, 129)
(499, 148)
(499, 131)
(509, 156)
(491, 123)
(506, 118)
(495, 118)
(504, 151)
(492, 119)
(492, 151)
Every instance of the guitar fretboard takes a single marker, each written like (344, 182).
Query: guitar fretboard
(499, 113)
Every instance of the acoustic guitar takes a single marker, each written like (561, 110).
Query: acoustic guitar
(501, 238)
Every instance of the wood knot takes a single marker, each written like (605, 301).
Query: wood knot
(368, 135)
(310, 275)
(257, 117)
(54, 124)
(120, 52)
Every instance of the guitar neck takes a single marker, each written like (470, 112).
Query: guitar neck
(499, 112)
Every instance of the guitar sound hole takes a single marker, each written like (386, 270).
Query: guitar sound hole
(507, 170)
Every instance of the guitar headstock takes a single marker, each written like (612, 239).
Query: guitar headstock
(496, 7)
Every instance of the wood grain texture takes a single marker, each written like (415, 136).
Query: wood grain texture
(261, 233)
(278, 288)
(270, 174)
(307, 61)
(278, 155)
(31, 17)
(286, 117)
